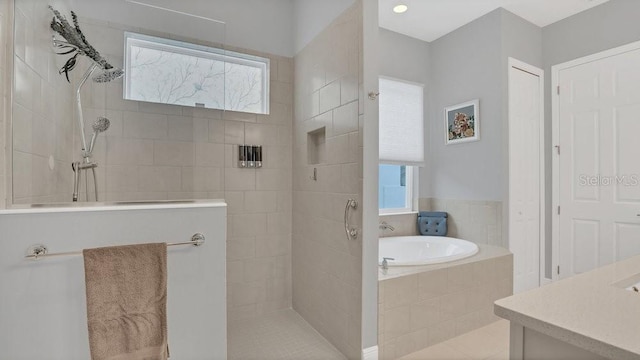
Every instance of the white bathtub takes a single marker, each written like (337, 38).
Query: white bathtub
(424, 250)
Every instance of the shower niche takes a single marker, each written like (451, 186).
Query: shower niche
(317, 147)
(82, 133)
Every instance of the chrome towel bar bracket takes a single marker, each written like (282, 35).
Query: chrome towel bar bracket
(38, 251)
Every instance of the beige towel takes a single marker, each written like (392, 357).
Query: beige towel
(127, 302)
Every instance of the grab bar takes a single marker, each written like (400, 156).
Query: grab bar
(36, 252)
(352, 233)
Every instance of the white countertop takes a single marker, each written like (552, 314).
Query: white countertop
(592, 311)
(110, 206)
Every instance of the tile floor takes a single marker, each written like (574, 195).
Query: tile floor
(487, 343)
(283, 335)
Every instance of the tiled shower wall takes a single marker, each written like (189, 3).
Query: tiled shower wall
(327, 267)
(473, 220)
(156, 152)
(160, 152)
(42, 111)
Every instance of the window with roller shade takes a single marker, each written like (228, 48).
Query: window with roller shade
(401, 143)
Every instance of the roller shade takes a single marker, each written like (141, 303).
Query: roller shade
(401, 122)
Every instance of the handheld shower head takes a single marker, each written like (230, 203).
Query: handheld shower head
(108, 75)
(100, 125)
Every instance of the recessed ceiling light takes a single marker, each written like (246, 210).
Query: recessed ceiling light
(399, 9)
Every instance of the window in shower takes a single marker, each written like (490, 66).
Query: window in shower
(180, 73)
(401, 144)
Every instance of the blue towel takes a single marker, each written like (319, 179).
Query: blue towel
(433, 223)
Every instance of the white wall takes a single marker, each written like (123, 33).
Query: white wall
(470, 63)
(312, 16)
(43, 307)
(466, 65)
(279, 27)
(406, 58)
(260, 25)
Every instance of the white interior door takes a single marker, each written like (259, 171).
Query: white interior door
(598, 118)
(525, 172)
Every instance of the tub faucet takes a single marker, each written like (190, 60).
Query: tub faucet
(385, 262)
(384, 226)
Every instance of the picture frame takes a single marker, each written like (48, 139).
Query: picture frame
(462, 122)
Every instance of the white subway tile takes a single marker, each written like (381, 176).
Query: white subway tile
(202, 179)
(173, 153)
(275, 245)
(180, 128)
(273, 179)
(122, 151)
(281, 92)
(260, 201)
(240, 248)
(235, 201)
(345, 119)
(216, 131)
(239, 116)
(208, 154)
(234, 132)
(154, 108)
(249, 224)
(144, 126)
(348, 89)
(285, 70)
(201, 130)
(247, 293)
(22, 129)
(121, 178)
(240, 179)
(159, 178)
(330, 97)
(259, 269)
(279, 223)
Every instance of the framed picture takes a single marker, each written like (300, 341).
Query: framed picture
(462, 122)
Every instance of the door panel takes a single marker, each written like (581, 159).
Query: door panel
(599, 188)
(586, 159)
(525, 126)
(585, 243)
(627, 129)
(627, 237)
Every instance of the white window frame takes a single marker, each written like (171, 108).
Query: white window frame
(189, 49)
(411, 196)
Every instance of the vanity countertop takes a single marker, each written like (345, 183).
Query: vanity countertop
(593, 311)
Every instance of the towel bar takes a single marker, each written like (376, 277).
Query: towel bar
(36, 252)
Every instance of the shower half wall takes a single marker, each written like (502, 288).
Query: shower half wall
(327, 172)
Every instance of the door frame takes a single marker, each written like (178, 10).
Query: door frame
(515, 63)
(555, 140)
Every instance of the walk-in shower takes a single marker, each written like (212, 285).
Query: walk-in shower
(76, 44)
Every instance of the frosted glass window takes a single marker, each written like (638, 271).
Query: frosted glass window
(401, 122)
(175, 72)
